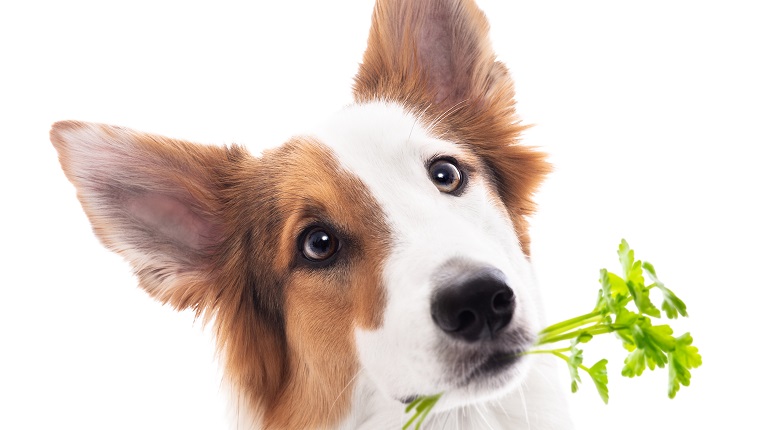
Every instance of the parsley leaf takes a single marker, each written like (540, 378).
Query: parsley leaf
(671, 304)
(683, 358)
(573, 362)
(598, 374)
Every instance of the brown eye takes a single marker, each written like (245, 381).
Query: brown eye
(446, 176)
(318, 244)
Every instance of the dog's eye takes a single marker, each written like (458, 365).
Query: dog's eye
(318, 244)
(446, 176)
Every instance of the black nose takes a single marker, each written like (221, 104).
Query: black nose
(475, 306)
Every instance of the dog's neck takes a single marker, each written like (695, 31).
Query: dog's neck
(538, 404)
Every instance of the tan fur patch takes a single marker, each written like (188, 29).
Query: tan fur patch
(320, 306)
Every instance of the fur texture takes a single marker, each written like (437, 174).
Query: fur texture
(340, 343)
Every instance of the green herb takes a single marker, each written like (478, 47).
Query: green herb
(422, 406)
(623, 307)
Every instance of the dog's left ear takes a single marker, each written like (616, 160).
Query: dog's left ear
(436, 50)
(434, 58)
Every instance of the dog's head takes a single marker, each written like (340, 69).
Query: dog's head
(391, 241)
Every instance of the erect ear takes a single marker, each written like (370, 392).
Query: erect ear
(434, 58)
(151, 199)
(437, 50)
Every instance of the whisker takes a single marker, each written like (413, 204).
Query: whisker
(524, 404)
(416, 118)
(501, 406)
(343, 390)
(541, 373)
(448, 415)
(485, 420)
(411, 130)
(447, 113)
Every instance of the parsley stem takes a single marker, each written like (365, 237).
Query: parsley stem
(565, 326)
(571, 321)
(598, 329)
(547, 351)
(566, 358)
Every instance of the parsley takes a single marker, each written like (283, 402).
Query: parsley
(422, 406)
(623, 307)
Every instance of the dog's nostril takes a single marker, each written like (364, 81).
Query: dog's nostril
(466, 318)
(502, 300)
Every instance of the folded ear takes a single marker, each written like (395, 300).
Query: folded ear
(437, 50)
(151, 199)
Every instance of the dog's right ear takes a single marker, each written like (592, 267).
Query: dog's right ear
(155, 201)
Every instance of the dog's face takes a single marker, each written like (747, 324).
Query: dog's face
(391, 241)
(454, 298)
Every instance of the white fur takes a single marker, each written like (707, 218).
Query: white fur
(387, 147)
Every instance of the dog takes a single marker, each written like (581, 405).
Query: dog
(381, 257)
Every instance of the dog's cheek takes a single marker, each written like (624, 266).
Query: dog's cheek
(398, 369)
(319, 320)
(399, 355)
(321, 359)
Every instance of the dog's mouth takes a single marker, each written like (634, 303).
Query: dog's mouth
(490, 362)
(409, 399)
(478, 370)
(492, 367)
(494, 364)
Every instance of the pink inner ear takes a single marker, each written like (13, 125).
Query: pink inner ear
(435, 52)
(173, 219)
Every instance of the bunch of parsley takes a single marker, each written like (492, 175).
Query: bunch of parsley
(623, 307)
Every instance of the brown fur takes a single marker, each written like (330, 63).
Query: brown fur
(467, 95)
(215, 229)
(322, 307)
(284, 329)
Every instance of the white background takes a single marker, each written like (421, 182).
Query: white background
(650, 113)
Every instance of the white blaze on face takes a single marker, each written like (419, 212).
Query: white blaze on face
(388, 149)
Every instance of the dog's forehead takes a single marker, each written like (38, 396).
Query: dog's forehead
(384, 145)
